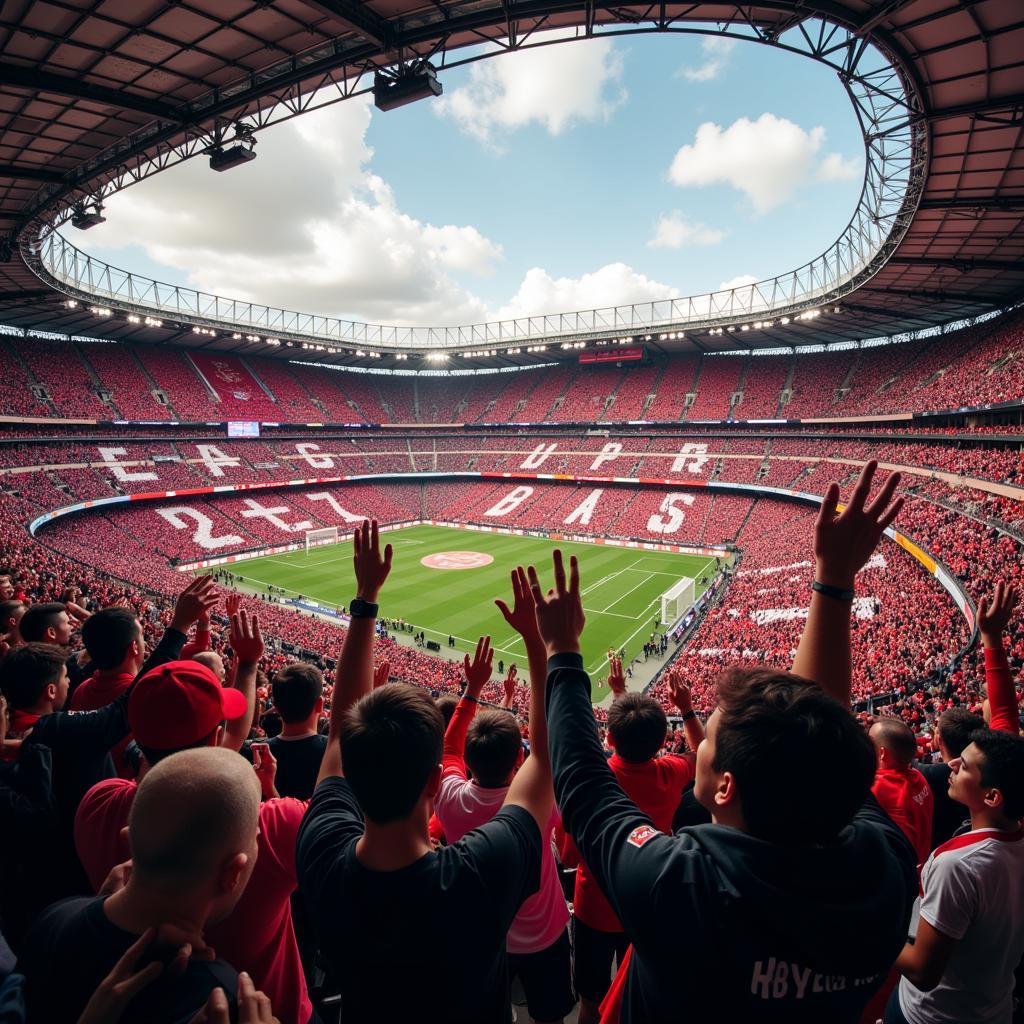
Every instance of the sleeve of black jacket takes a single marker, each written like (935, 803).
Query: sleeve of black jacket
(102, 729)
(630, 861)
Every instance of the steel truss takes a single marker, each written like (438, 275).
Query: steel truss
(887, 101)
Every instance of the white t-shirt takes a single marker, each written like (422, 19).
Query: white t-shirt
(462, 806)
(973, 892)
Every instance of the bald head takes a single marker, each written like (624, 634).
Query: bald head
(896, 739)
(212, 660)
(193, 812)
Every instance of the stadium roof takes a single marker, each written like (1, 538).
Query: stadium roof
(95, 94)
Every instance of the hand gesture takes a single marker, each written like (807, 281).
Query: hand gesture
(198, 596)
(509, 685)
(233, 603)
(253, 1006)
(560, 617)
(995, 612)
(478, 671)
(679, 691)
(76, 613)
(246, 639)
(843, 543)
(118, 877)
(371, 569)
(523, 615)
(264, 764)
(122, 984)
(381, 674)
(616, 679)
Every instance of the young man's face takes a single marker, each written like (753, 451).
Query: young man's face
(61, 629)
(6, 588)
(965, 785)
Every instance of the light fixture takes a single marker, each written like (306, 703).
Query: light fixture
(87, 214)
(239, 150)
(413, 82)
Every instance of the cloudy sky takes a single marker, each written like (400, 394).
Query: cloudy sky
(568, 177)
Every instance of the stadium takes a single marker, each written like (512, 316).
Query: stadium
(155, 436)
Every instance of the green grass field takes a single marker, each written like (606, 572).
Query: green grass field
(621, 586)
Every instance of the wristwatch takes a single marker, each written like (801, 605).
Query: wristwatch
(360, 609)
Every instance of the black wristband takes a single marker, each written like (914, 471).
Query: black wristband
(360, 609)
(689, 714)
(836, 593)
(469, 696)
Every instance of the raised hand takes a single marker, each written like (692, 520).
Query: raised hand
(522, 617)
(679, 691)
(995, 612)
(616, 678)
(233, 603)
(478, 671)
(245, 638)
(560, 617)
(844, 542)
(509, 685)
(371, 568)
(264, 764)
(196, 598)
(381, 674)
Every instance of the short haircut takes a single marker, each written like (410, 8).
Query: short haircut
(390, 743)
(446, 704)
(9, 609)
(802, 763)
(296, 689)
(107, 635)
(637, 726)
(1002, 767)
(190, 812)
(955, 728)
(38, 619)
(26, 672)
(493, 745)
(895, 736)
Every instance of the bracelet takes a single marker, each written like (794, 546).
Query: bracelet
(836, 593)
(689, 715)
(469, 696)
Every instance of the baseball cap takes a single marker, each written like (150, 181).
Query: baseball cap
(178, 703)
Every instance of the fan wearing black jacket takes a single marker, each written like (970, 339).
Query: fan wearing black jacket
(794, 902)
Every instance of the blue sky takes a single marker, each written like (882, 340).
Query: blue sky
(575, 175)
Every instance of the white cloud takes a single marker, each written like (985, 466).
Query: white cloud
(528, 86)
(838, 168)
(613, 285)
(716, 51)
(305, 226)
(673, 231)
(741, 281)
(768, 160)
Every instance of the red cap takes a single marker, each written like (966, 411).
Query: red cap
(178, 703)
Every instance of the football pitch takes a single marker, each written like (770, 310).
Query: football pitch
(621, 586)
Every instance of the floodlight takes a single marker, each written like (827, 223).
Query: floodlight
(239, 150)
(415, 82)
(87, 214)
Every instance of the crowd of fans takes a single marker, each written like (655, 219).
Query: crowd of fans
(209, 820)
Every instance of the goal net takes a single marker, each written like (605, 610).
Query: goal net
(677, 601)
(316, 538)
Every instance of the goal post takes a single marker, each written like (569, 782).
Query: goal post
(677, 601)
(317, 538)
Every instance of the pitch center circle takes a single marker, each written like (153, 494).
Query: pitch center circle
(457, 560)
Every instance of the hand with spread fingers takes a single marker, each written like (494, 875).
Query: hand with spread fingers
(560, 617)
(371, 567)
(616, 678)
(478, 671)
(381, 674)
(199, 596)
(844, 541)
(994, 613)
(246, 638)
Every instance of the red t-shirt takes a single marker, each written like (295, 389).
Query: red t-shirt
(259, 936)
(906, 797)
(99, 690)
(656, 787)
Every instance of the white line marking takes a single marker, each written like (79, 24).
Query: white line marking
(646, 579)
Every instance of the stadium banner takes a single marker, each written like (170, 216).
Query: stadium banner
(227, 376)
(633, 354)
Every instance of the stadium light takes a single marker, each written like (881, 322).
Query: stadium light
(240, 150)
(87, 214)
(411, 83)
